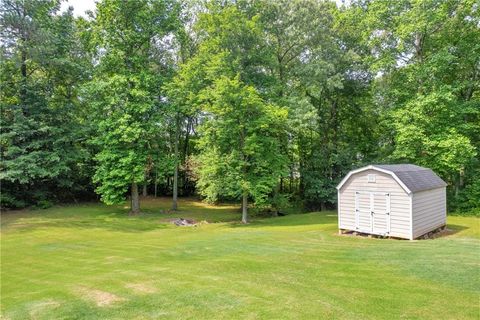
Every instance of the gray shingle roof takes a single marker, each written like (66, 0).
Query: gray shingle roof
(414, 177)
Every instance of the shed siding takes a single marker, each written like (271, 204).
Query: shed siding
(399, 201)
(429, 211)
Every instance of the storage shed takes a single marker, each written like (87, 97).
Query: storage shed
(399, 200)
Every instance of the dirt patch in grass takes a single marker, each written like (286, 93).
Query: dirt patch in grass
(141, 288)
(99, 297)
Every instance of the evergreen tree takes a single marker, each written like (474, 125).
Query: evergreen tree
(42, 66)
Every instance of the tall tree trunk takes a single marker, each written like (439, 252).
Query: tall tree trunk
(144, 191)
(23, 66)
(175, 173)
(175, 188)
(461, 178)
(470, 89)
(244, 207)
(291, 179)
(185, 155)
(23, 88)
(135, 208)
(323, 206)
(156, 183)
(459, 183)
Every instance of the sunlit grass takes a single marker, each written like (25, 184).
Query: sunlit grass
(91, 261)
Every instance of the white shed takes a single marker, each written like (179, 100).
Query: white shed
(399, 200)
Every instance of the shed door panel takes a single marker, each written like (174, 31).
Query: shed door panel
(363, 215)
(372, 212)
(381, 213)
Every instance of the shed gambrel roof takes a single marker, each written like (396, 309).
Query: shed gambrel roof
(411, 178)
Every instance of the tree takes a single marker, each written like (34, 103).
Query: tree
(435, 142)
(138, 93)
(44, 155)
(239, 144)
(426, 54)
(125, 91)
(322, 78)
(179, 110)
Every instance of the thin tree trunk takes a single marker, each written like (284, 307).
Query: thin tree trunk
(185, 155)
(23, 66)
(175, 173)
(461, 182)
(276, 193)
(23, 88)
(144, 191)
(156, 183)
(470, 90)
(187, 139)
(244, 207)
(291, 179)
(175, 188)
(135, 209)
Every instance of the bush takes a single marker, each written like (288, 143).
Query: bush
(475, 212)
(43, 204)
(9, 201)
(468, 200)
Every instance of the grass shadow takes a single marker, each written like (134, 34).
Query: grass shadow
(113, 222)
(155, 213)
(451, 229)
(291, 220)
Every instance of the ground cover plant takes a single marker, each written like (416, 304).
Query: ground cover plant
(91, 261)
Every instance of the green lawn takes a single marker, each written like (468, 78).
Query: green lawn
(93, 262)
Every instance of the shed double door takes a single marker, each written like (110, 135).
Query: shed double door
(372, 212)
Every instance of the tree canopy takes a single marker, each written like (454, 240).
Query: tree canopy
(263, 102)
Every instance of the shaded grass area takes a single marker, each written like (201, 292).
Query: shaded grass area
(94, 262)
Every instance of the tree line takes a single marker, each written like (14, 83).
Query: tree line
(263, 102)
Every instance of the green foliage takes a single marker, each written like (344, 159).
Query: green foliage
(138, 93)
(279, 202)
(43, 204)
(239, 148)
(467, 201)
(428, 132)
(124, 92)
(428, 92)
(8, 200)
(122, 136)
(41, 135)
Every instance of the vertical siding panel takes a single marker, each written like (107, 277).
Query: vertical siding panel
(429, 211)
